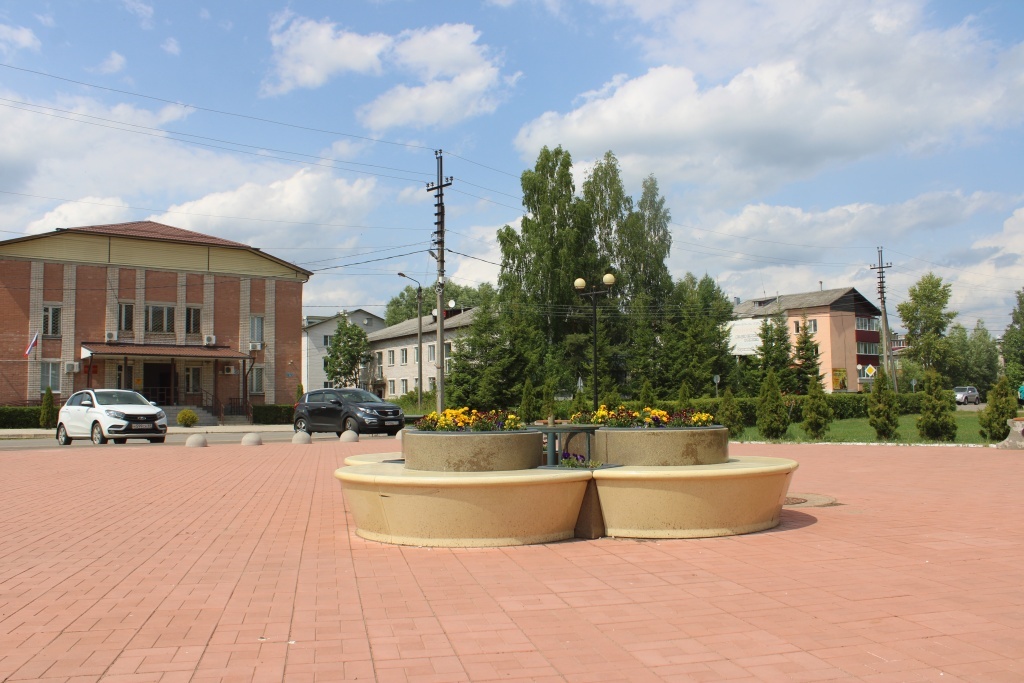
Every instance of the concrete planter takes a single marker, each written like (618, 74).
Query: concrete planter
(662, 447)
(472, 451)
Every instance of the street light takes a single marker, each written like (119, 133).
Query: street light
(581, 286)
(419, 341)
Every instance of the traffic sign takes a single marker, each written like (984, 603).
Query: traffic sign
(869, 371)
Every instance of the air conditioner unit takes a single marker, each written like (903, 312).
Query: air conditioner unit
(111, 336)
(209, 340)
(255, 346)
(230, 370)
(71, 367)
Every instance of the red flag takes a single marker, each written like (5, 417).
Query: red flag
(31, 344)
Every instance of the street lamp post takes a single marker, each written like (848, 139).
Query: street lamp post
(581, 288)
(419, 341)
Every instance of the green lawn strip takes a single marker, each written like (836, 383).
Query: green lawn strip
(857, 430)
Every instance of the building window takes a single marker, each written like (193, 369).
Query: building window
(125, 317)
(432, 381)
(328, 385)
(812, 326)
(416, 354)
(125, 377)
(391, 358)
(391, 387)
(867, 348)
(405, 386)
(193, 320)
(447, 357)
(159, 318)
(51, 321)
(380, 365)
(869, 324)
(325, 363)
(403, 356)
(431, 356)
(49, 376)
(193, 380)
(256, 380)
(327, 340)
(256, 328)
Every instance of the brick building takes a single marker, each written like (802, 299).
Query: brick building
(184, 318)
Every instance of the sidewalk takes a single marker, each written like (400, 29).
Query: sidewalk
(173, 429)
(236, 563)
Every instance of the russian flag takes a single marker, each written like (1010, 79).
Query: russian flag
(31, 344)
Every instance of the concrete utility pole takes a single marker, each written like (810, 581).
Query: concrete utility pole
(438, 190)
(887, 359)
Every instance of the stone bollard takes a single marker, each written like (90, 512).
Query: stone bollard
(1015, 439)
(252, 439)
(302, 437)
(196, 441)
(349, 436)
(398, 435)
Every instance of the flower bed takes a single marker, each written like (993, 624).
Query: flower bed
(467, 451)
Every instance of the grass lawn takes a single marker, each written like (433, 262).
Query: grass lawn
(859, 431)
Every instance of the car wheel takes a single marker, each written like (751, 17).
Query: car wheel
(62, 436)
(156, 439)
(339, 434)
(301, 425)
(120, 441)
(97, 434)
(392, 433)
(351, 425)
(977, 400)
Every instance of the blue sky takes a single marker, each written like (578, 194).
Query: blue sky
(791, 139)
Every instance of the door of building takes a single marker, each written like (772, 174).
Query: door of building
(158, 383)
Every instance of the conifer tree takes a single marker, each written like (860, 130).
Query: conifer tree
(647, 396)
(772, 415)
(806, 359)
(1001, 406)
(817, 412)
(730, 415)
(547, 408)
(48, 411)
(528, 408)
(683, 399)
(883, 412)
(936, 422)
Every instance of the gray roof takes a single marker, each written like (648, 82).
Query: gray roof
(311, 320)
(843, 299)
(408, 328)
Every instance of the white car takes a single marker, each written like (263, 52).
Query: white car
(115, 414)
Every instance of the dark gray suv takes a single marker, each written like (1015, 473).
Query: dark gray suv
(339, 410)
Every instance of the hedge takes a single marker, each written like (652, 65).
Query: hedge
(272, 414)
(19, 417)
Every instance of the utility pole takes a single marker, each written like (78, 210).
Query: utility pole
(438, 241)
(890, 364)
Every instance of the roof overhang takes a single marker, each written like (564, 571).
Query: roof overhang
(107, 350)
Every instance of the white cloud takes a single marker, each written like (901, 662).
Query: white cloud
(171, 46)
(46, 20)
(204, 13)
(141, 10)
(85, 211)
(114, 63)
(14, 38)
(440, 102)
(307, 53)
(838, 82)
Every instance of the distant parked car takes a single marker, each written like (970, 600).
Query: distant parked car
(114, 414)
(965, 395)
(340, 410)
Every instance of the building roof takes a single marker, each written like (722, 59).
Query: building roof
(162, 350)
(313, 320)
(842, 299)
(408, 328)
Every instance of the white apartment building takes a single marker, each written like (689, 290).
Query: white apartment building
(317, 332)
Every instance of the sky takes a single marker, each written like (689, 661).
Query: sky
(791, 139)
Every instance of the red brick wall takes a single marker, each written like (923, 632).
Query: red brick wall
(53, 282)
(194, 289)
(161, 286)
(126, 284)
(226, 293)
(90, 314)
(288, 354)
(14, 338)
(257, 296)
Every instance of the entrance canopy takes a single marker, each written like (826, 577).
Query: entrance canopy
(107, 350)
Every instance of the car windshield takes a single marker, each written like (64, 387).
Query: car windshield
(360, 396)
(120, 398)
(961, 390)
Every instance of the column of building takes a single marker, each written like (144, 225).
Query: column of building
(67, 331)
(269, 338)
(35, 327)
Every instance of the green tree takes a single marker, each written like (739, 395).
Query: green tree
(936, 421)
(608, 203)
(48, 411)
(696, 338)
(1001, 406)
(806, 360)
(1013, 343)
(348, 350)
(773, 353)
(982, 359)
(772, 414)
(647, 395)
(299, 391)
(683, 398)
(643, 243)
(927, 321)
(730, 415)
(529, 409)
(817, 412)
(883, 411)
(402, 306)
(547, 408)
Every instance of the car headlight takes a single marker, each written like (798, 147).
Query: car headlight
(115, 413)
(160, 415)
(365, 411)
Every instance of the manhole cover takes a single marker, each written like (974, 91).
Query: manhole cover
(809, 500)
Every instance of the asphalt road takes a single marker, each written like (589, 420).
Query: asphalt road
(177, 439)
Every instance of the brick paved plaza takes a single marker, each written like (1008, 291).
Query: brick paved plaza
(233, 563)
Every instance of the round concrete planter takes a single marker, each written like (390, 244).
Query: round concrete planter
(471, 451)
(662, 447)
(741, 496)
(392, 504)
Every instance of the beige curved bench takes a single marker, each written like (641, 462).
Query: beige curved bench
(740, 496)
(462, 509)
